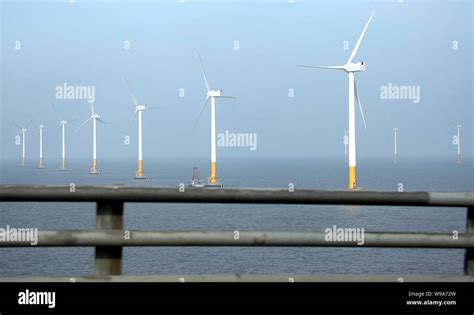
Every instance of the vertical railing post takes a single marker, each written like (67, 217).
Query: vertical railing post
(469, 256)
(108, 259)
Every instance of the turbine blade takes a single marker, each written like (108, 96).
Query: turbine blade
(231, 97)
(204, 73)
(82, 125)
(131, 121)
(92, 108)
(322, 67)
(200, 112)
(100, 120)
(356, 47)
(16, 125)
(153, 107)
(131, 92)
(360, 104)
(29, 122)
(452, 123)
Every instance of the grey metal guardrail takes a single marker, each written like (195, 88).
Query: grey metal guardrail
(108, 238)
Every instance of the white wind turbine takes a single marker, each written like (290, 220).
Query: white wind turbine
(395, 145)
(40, 134)
(23, 141)
(212, 94)
(138, 109)
(94, 117)
(350, 68)
(457, 142)
(62, 128)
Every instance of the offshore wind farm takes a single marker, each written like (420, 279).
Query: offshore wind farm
(107, 78)
(349, 139)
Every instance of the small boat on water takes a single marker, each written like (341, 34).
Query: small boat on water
(196, 182)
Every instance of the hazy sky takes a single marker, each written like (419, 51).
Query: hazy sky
(83, 44)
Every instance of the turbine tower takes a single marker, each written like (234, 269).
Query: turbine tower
(395, 146)
(350, 68)
(138, 109)
(346, 143)
(62, 127)
(94, 117)
(457, 142)
(212, 94)
(23, 142)
(40, 134)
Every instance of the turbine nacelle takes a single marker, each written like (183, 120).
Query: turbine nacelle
(354, 67)
(213, 93)
(456, 125)
(24, 129)
(40, 126)
(141, 107)
(63, 122)
(95, 116)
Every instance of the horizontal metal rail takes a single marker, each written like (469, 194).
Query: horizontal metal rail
(112, 238)
(246, 278)
(233, 195)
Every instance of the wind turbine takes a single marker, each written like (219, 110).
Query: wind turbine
(212, 94)
(138, 109)
(457, 142)
(40, 134)
(94, 117)
(350, 68)
(23, 141)
(395, 145)
(62, 128)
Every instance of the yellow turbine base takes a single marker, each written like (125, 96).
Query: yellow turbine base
(213, 178)
(94, 167)
(352, 177)
(140, 168)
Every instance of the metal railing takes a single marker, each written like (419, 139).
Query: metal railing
(108, 238)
